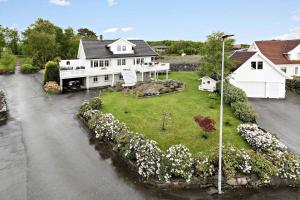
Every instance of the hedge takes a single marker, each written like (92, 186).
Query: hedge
(28, 68)
(51, 72)
(243, 111)
(7, 63)
(238, 101)
(293, 84)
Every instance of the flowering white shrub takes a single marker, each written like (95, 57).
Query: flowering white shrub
(259, 139)
(105, 125)
(287, 163)
(204, 166)
(179, 162)
(148, 157)
(236, 160)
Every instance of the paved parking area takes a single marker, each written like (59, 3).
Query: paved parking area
(281, 117)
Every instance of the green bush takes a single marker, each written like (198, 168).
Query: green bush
(51, 72)
(262, 167)
(95, 103)
(7, 63)
(293, 84)
(28, 68)
(243, 111)
(233, 94)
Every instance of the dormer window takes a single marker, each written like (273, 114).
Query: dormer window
(124, 48)
(253, 65)
(119, 48)
(260, 65)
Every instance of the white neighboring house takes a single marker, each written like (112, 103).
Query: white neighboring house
(208, 84)
(257, 75)
(103, 63)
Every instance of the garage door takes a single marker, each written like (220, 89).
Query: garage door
(254, 89)
(273, 90)
(263, 89)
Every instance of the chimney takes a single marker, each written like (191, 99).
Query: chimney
(100, 37)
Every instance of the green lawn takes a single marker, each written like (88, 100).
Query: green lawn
(144, 116)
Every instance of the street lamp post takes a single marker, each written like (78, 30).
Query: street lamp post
(221, 117)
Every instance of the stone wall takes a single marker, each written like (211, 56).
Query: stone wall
(3, 107)
(184, 67)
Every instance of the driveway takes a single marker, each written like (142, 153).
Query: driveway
(281, 117)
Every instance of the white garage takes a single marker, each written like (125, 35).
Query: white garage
(257, 76)
(263, 89)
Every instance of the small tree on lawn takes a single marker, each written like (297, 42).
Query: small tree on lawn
(206, 123)
(166, 118)
(51, 72)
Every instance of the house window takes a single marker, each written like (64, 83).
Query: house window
(101, 63)
(138, 61)
(120, 77)
(106, 63)
(253, 65)
(260, 65)
(68, 62)
(119, 48)
(123, 61)
(119, 61)
(142, 60)
(283, 69)
(296, 70)
(152, 59)
(96, 63)
(91, 64)
(208, 82)
(134, 61)
(124, 48)
(106, 78)
(95, 79)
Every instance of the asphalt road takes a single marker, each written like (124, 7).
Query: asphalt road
(45, 153)
(281, 117)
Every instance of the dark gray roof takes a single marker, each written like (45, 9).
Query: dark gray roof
(98, 49)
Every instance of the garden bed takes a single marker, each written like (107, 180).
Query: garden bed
(3, 107)
(156, 88)
(269, 164)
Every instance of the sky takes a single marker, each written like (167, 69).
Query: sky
(249, 20)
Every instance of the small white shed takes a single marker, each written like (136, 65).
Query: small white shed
(208, 84)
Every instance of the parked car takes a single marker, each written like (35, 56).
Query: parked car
(72, 84)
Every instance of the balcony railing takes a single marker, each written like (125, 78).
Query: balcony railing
(82, 71)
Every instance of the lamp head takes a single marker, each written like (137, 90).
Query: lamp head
(226, 36)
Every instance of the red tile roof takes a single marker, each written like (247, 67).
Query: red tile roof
(240, 57)
(275, 50)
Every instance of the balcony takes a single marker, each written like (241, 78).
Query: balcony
(76, 71)
(153, 66)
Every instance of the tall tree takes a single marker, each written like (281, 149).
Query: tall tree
(2, 40)
(42, 47)
(210, 64)
(12, 40)
(87, 34)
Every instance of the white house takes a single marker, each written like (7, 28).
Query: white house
(103, 63)
(284, 54)
(257, 75)
(208, 84)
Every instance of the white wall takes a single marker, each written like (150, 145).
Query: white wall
(290, 69)
(264, 83)
(121, 42)
(81, 53)
(247, 74)
(295, 53)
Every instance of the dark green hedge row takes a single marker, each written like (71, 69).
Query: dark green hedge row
(238, 101)
(293, 84)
